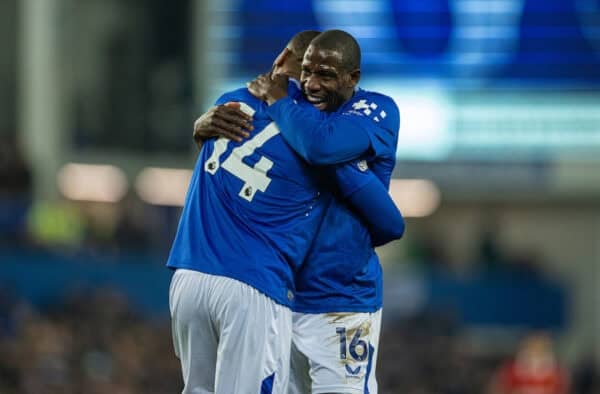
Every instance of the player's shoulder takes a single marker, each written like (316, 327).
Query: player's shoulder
(241, 95)
(379, 100)
(379, 107)
(294, 89)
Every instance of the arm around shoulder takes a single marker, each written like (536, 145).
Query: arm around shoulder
(318, 137)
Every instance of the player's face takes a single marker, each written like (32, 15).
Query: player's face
(325, 82)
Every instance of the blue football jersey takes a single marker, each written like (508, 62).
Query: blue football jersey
(251, 210)
(342, 272)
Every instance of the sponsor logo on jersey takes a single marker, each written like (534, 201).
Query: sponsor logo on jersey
(351, 371)
(363, 165)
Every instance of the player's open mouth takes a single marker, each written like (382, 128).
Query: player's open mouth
(319, 102)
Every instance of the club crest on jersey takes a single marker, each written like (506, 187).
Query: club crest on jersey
(368, 108)
(362, 165)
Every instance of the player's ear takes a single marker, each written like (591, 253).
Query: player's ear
(281, 58)
(354, 77)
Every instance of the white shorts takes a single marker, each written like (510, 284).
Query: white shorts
(229, 337)
(334, 352)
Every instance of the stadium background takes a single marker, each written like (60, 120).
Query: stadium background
(498, 175)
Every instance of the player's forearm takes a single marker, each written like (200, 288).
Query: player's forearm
(319, 138)
(375, 206)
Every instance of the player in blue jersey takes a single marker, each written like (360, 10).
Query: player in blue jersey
(339, 288)
(251, 213)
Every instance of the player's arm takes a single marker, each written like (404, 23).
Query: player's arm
(375, 206)
(318, 137)
(371, 200)
(225, 119)
(323, 138)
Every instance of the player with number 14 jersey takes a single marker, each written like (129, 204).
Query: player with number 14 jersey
(267, 231)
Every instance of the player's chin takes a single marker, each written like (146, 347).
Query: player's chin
(320, 106)
(333, 102)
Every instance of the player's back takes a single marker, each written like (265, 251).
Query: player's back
(251, 210)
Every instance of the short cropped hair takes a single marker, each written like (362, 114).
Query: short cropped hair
(342, 42)
(299, 43)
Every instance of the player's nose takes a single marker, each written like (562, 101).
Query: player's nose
(312, 84)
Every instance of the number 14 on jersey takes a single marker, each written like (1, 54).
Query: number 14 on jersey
(255, 177)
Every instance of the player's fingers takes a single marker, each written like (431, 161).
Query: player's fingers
(237, 112)
(224, 124)
(281, 78)
(235, 118)
(232, 104)
(235, 135)
(235, 107)
(253, 85)
(230, 129)
(198, 126)
(198, 123)
(258, 88)
(255, 91)
(259, 81)
(229, 135)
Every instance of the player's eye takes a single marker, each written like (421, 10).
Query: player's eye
(327, 77)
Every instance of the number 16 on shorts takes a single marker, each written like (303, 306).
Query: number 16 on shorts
(352, 349)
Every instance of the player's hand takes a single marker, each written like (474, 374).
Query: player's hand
(225, 120)
(269, 88)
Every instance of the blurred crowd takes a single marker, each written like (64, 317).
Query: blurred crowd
(62, 224)
(95, 342)
(430, 355)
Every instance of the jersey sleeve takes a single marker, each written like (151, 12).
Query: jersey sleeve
(243, 95)
(352, 176)
(329, 138)
(371, 200)
(234, 95)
